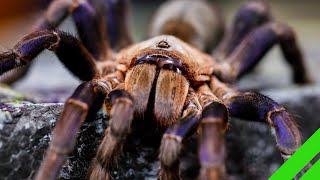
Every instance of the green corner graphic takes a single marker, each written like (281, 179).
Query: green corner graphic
(300, 159)
(313, 173)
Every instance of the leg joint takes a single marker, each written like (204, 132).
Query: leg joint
(172, 137)
(78, 103)
(55, 45)
(215, 110)
(116, 95)
(272, 112)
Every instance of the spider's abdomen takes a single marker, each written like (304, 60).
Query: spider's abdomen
(195, 22)
(157, 85)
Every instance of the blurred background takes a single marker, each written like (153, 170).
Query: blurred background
(17, 17)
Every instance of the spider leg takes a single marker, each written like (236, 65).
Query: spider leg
(213, 124)
(57, 11)
(114, 15)
(91, 30)
(13, 76)
(69, 50)
(250, 16)
(82, 105)
(53, 17)
(174, 136)
(256, 107)
(119, 127)
(258, 43)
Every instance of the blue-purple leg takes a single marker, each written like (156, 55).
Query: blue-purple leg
(92, 30)
(250, 16)
(50, 20)
(256, 107)
(82, 105)
(69, 50)
(213, 124)
(172, 140)
(251, 50)
(114, 13)
(121, 113)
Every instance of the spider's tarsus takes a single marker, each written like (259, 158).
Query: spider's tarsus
(286, 132)
(253, 106)
(256, 107)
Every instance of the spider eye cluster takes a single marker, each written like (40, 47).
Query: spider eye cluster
(163, 44)
(162, 61)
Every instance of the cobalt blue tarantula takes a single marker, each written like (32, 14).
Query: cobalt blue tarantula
(165, 84)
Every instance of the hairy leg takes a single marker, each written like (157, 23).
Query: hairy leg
(256, 107)
(114, 14)
(12, 76)
(250, 16)
(92, 30)
(90, 24)
(87, 21)
(258, 43)
(57, 11)
(172, 140)
(213, 124)
(121, 113)
(83, 104)
(50, 20)
(69, 50)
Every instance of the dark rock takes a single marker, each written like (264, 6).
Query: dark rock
(25, 132)
(24, 136)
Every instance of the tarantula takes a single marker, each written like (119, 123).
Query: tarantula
(165, 83)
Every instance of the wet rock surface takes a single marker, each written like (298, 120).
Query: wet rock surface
(251, 150)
